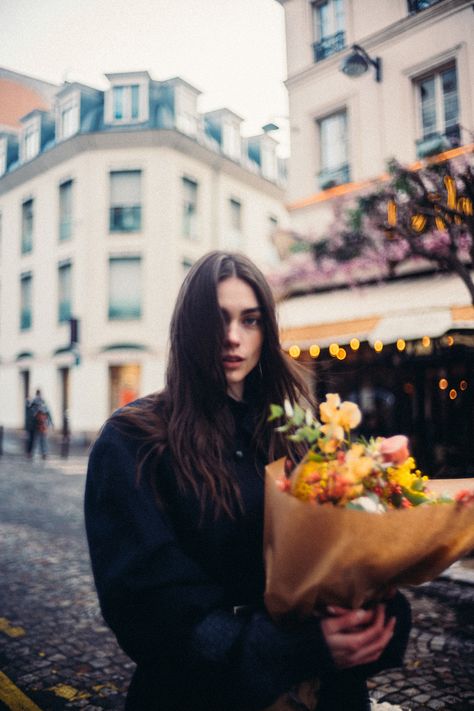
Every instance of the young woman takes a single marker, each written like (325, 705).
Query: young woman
(174, 515)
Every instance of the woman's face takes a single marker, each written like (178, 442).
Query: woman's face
(243, 335)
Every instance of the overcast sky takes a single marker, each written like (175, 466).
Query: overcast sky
(232, 50)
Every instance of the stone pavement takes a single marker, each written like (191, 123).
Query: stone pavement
(55, 648)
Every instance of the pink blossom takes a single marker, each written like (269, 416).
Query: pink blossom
(395, 449)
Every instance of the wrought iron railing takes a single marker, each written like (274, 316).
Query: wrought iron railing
(328, 45)
(329, 177)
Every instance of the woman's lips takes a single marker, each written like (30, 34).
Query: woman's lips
(231, 362)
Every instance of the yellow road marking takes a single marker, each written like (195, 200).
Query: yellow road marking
(11, 631)
(13, 697)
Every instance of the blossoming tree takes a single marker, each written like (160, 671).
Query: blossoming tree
(417, 216)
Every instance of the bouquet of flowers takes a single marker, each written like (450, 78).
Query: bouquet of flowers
(355, 517)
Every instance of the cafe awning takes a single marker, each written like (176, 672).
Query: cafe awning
(408, 309)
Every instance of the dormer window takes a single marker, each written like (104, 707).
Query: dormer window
(126, 102)
(128, 98)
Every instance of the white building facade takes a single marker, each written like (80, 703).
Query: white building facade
(370, 80)
(345, 128)
(107, 201)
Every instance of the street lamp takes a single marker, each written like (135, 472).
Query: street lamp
(358, 61)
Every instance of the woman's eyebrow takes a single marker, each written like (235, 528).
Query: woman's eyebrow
(252, 310)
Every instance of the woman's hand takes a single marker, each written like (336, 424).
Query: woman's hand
(356, 637)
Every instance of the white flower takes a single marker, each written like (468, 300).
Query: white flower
(289, 412)
(369, 504)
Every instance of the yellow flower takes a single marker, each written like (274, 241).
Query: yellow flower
(338, 416)
(328, 410)
(349, 415)
(332, 431)
(357, 464)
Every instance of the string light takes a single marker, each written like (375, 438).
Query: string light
(314, 350)
(463, 385)
(426, 340)
(401, 344)
(295, 351)
(378, 346)
(442, 384)
(453, 394)
(334, 349)
(341, 354)
(450, 341)
(354, 344)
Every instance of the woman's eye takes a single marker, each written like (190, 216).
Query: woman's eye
(251, 321)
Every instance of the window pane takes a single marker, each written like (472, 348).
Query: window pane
(65, 210)
(69, 120)
(322, 21)
(64, 292)
(125, 288)
(125, 187)
(26, 301)
(134, 101)
(118, 100)
(450, 96)
(125, 199)
(428, 106)
(31, 142)
(27, 226)
(333, 137)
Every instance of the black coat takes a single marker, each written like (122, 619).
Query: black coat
(168, 582)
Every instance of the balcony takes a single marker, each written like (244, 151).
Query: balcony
(329, 45)
(438, 142)
(415, 6)
(330, 177)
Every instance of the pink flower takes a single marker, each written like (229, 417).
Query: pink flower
(395, 449)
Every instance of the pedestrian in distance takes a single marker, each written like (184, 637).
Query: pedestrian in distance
(174, 518)
(40, 421)
(29, 426)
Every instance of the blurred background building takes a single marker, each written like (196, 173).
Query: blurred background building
(106, 199)
(369, 80)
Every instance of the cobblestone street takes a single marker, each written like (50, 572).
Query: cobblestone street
(55, 648)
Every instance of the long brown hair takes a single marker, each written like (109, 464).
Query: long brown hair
(191, 415)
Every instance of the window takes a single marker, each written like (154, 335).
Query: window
(69, 118)
(124, 288)
(65, 210)
(125, 201)
(26, 301)
(126, 102)
(234, 240)
(328, 21)
(334, 166)
(190, 208)
(31, 144)
(64, 292)
(27, 226)
(438, 111)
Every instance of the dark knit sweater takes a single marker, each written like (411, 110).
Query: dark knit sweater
(168, 581)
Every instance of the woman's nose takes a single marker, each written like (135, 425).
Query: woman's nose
(232, 335)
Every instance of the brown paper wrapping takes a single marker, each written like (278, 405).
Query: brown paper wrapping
(317, 555)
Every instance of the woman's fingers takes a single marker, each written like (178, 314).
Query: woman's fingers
(357, 637)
